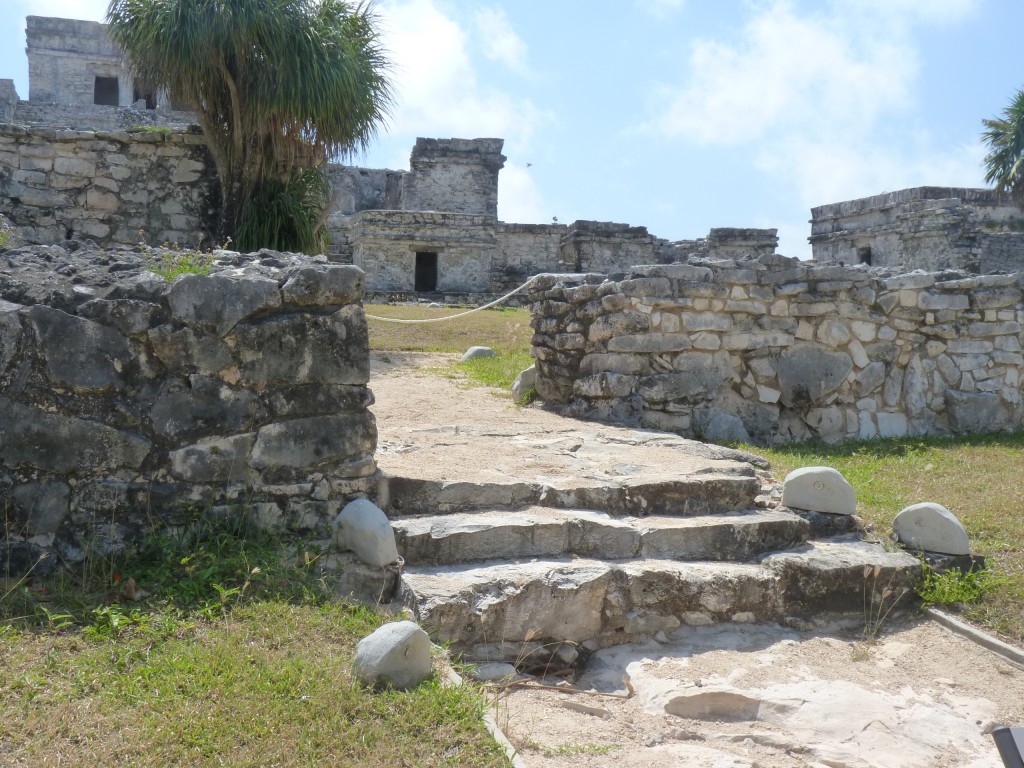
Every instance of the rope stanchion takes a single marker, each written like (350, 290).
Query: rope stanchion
(494, 303)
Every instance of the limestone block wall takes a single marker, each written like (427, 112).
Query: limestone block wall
(775, 349)
(524, 250)
(385, 244)
(930, 228)
(57, 185)
(604, 246)
(64, 58)
(127, 402)
(454, 175)
(8, 100)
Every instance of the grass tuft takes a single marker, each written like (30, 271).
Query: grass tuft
(977, 478)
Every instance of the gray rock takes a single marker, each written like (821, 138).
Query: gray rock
(311, 442)
(397, 654)
(128, 316)
(301, 348)
(932, 528)
(474, 352)
(43, 505)
(323, 285)
(722, 427)
(10, 333)
(79, 353)
(60, 443)
(709, 703)
(365, 530)
(807, 374)
(525, 381)
(495, 670)
(971, 412)
(220, 460)
(202, 406)
(819, 489)
(189, 348)
(220, 302)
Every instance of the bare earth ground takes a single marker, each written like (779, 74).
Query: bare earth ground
(724, 696)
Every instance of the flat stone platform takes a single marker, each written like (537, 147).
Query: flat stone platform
(433, 428)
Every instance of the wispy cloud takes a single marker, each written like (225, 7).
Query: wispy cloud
(499, 41)
(437, 87)
(661, 8)
(822, 100)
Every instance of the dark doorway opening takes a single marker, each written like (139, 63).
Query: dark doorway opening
(149, 96)
(864, 256)
(426, 272)
(106, 92)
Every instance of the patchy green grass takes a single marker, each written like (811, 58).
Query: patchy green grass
(507, 331)
(498, 371)
(977, 478)
(237, 656)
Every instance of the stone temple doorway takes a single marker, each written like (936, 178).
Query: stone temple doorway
(426, 272)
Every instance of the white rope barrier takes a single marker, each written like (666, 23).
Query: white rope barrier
(461, 314)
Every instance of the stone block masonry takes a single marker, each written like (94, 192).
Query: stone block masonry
(127, 402)
(58, 185)
(774, 349)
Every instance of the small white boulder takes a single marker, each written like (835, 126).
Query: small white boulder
(932, 528)
(397, 654)
(478, 352)
(524, 382)
(365, 530)
(819, 489)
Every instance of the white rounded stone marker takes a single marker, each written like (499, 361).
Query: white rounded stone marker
(474, 352)
(366, 530)
(819, 489)
(397, 654)
(932, 528)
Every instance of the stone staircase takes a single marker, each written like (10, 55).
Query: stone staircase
(499, 570)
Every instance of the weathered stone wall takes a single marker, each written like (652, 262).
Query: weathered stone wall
(930, 228)
(57, 185)
(93, 117)
(385, 244)
(524, 250)
(64, 58)
(775, 349)
(454, 175)
(8, 101)
(125, 400)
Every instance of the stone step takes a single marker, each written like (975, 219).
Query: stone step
(698, 493)
(543, 532)
(500, 605)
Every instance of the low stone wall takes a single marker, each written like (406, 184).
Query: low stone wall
(127, 401)
(775, 349)
(58, 185)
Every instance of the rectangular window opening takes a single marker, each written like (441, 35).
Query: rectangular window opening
(426, 272)
(106, 92)
(864, 255)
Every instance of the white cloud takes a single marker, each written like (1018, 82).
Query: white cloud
(661, 8)
(787, 70)
(87, 10)
(519, 200)
(811, 98)
(500, 42)
(437, 89)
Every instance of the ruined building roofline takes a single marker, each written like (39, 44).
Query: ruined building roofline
(912, 194)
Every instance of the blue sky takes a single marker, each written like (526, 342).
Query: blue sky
(681, 115)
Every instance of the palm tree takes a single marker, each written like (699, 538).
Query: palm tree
(278, 87)
(1004, 136)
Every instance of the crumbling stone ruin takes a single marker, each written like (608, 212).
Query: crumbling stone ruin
(774, 349)
(126, 401)
(77, 161)
(931, 228)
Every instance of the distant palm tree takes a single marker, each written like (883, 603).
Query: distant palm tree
(1004, 136)
(278, 87)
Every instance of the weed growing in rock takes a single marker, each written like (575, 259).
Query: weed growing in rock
(8, 237)
(879, 600)
(172, 260)
(955, 587)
